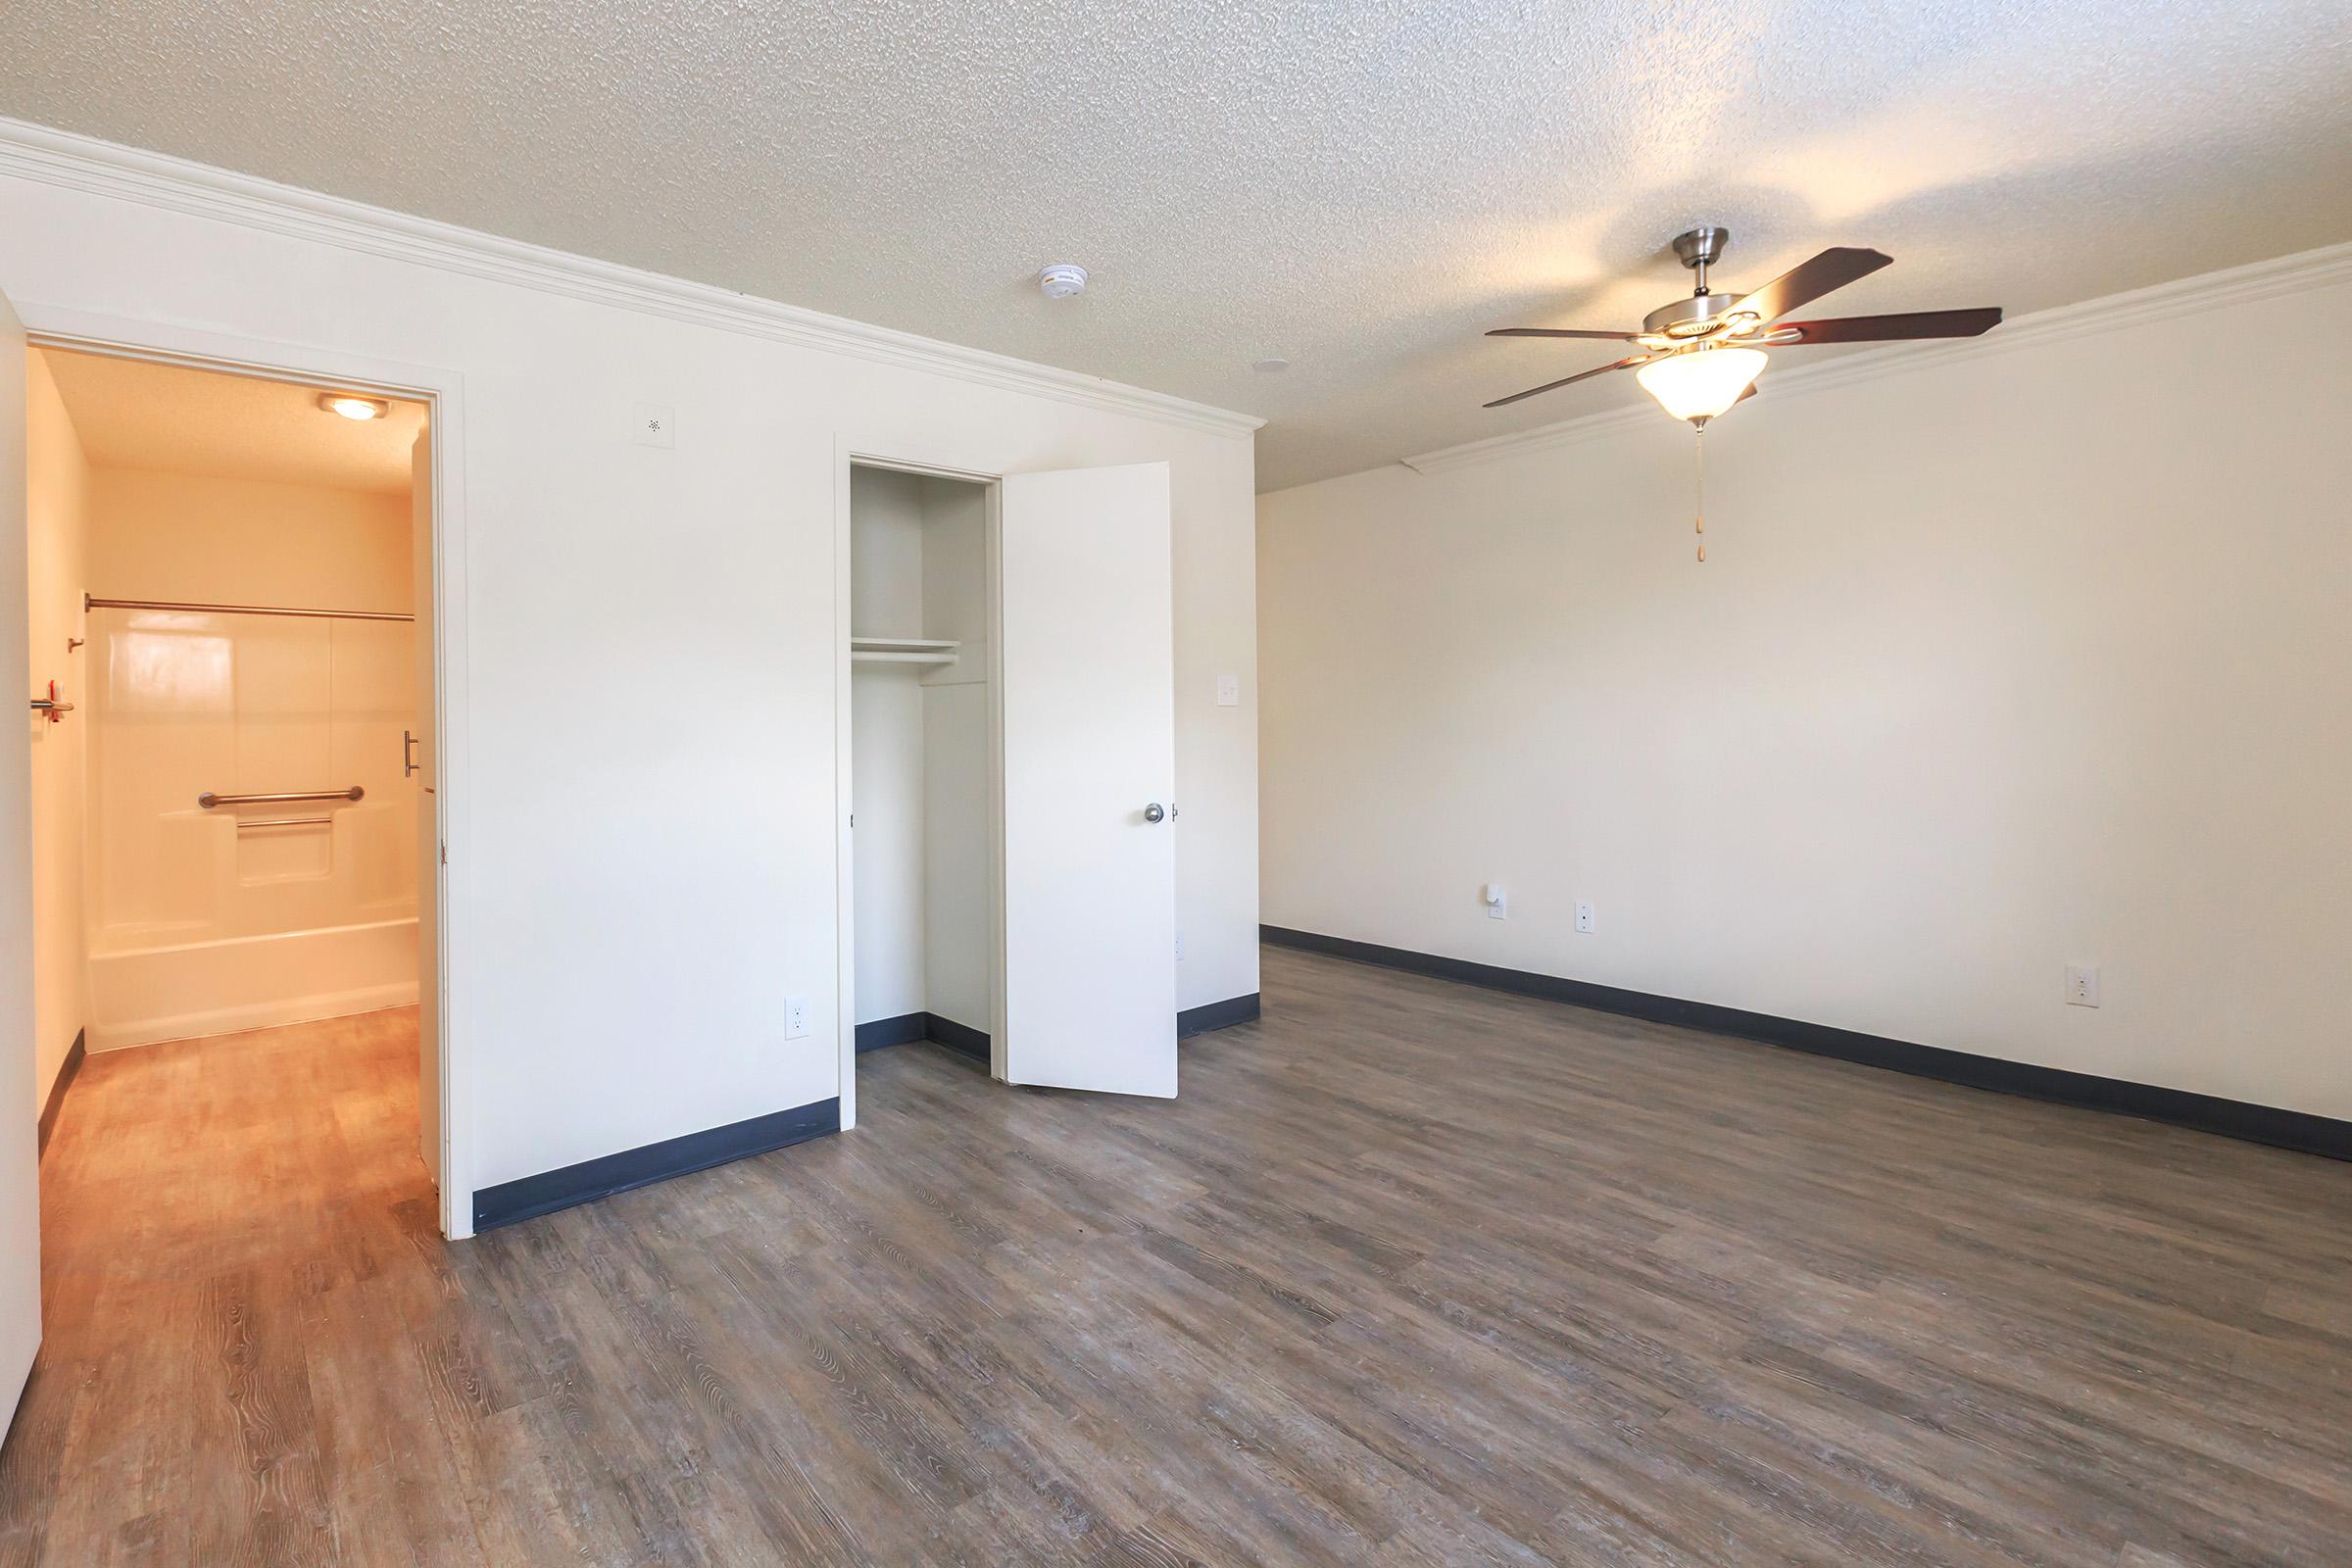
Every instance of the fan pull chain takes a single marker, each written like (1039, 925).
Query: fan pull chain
(1701, 529)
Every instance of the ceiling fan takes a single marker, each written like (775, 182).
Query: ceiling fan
(1699, 356)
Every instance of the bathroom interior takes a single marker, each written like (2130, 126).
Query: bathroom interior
(231, 705)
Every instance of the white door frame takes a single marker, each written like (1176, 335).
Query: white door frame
(939, 461)
(443, 391)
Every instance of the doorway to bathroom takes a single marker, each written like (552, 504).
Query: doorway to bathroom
(236, 805)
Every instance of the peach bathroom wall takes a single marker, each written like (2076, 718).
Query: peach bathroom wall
(199, 924)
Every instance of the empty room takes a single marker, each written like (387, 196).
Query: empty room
(1176, 785)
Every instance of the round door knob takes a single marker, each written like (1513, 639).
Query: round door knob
(1155, 813)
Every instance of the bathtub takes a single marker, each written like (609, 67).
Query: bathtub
(139, 996)
(208, 920)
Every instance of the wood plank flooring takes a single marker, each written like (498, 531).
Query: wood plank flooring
(1410, 1274)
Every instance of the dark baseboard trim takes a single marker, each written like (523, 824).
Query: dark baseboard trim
(530, 1197)
(2232, 1118)
(65, 1070)
(1217, 1016)
(970, 1042)
(960, 1038)
(880, 1032)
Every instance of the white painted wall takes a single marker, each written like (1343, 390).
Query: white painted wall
(57, 502)
(650, 632)
(2029, 655)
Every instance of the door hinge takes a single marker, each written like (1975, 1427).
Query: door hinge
(444, 852)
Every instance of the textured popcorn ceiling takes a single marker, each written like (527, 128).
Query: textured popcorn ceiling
(1358, 187)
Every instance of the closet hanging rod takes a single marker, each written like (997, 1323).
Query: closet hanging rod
(208, 800)
(92, 602)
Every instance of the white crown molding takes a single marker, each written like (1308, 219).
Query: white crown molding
(85, 164)
(2161, 302)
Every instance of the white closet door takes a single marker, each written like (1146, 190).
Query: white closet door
(1090, 767)
(19, 1113)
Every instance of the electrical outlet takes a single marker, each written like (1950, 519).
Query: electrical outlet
(795, 1017)
(1496, 901)
(1583, 917)
(1229, 691)
(1179, 946)
(2082, 985)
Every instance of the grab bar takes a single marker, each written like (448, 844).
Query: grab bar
(284, 822)
(90, 601)
(208, 800)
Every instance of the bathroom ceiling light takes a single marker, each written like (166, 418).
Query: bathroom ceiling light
(353, 406)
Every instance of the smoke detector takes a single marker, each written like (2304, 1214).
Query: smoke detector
(1062, 280)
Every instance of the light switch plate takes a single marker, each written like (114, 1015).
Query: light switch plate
(657, 424)
(1229, 691)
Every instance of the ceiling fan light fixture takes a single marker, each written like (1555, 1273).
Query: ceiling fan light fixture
(1700, 383)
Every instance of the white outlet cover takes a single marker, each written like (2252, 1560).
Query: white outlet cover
(2082, 985)
(795, 1017)
(1229, 691)
(656, 425)
(1584, 916)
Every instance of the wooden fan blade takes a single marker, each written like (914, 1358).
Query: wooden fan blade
(1808, 281)
(1744, 396)
(1626, 363)
(1888, 329)
(1560, 331)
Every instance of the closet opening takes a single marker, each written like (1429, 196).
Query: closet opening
(923, 812)
(235, 812)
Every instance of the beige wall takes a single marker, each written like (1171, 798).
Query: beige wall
(178, 704)
(246, 542)
(57, 499)
(2030, 655)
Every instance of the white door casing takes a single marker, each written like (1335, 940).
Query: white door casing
(424, 757)
(20, 1115)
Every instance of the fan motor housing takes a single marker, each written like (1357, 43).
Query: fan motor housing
(1705, 312)
(1695, 316)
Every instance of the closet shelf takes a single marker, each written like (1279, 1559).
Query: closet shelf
(903, 651)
